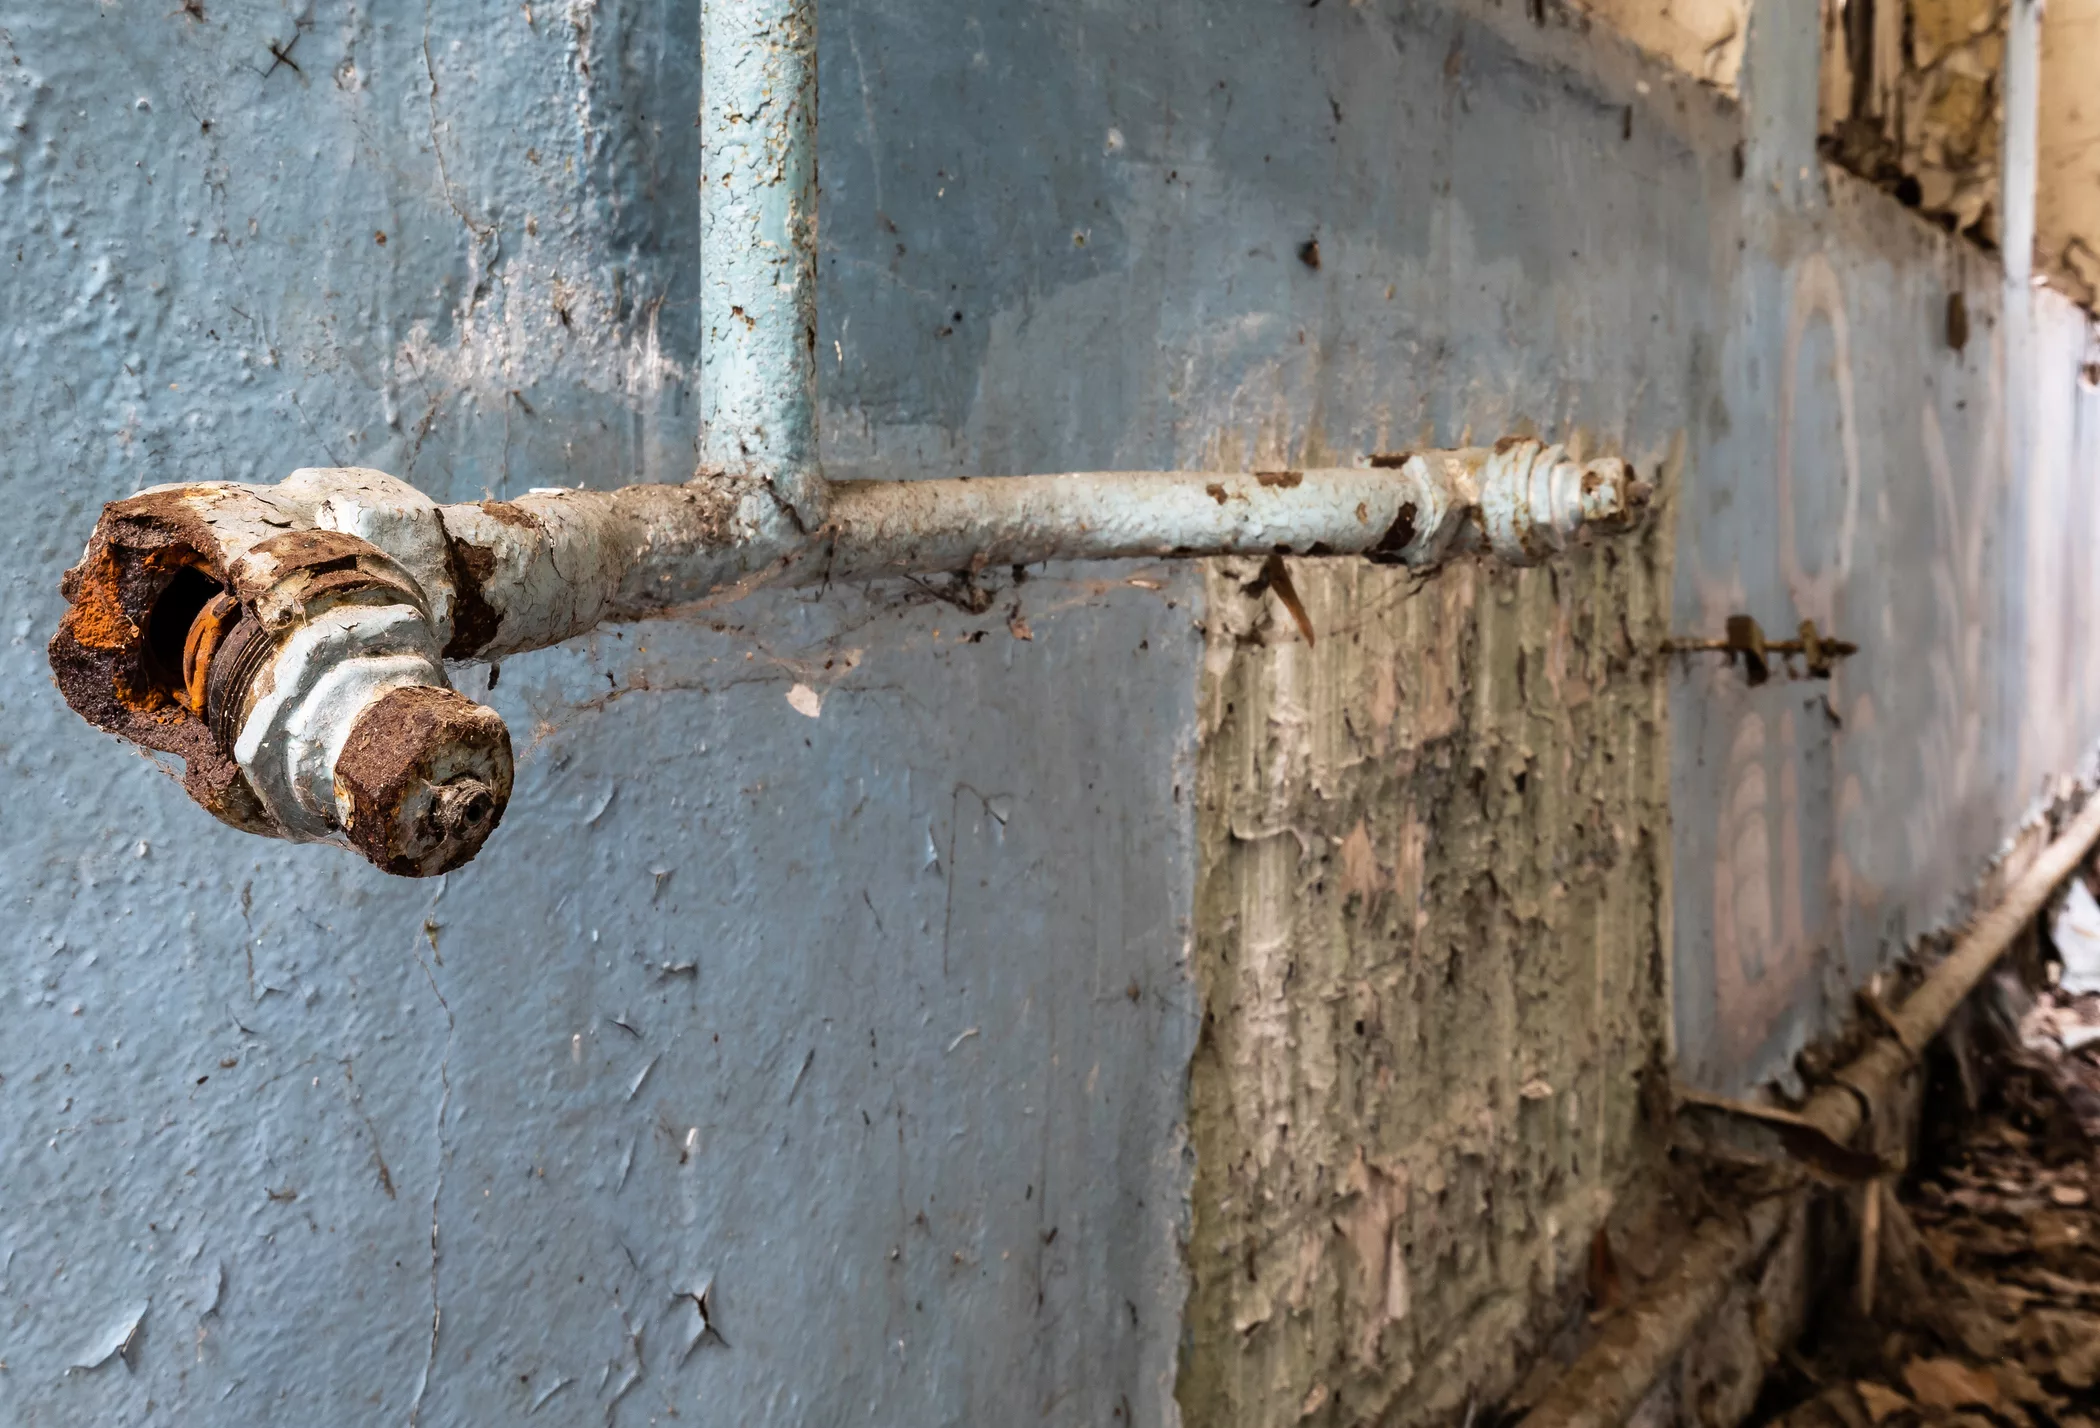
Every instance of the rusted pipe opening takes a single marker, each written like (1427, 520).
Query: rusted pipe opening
(170, 633)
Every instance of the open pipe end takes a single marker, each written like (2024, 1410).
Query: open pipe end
(123, 656)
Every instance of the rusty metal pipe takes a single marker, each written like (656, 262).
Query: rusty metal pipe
(276, 638)
(1641, 1342)
(288, 643)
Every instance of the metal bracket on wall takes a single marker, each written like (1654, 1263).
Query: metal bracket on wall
(289, 642)
(1746, 641)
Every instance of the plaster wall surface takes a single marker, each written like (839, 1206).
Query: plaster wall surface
(2067, 220)
(869, 1028)
(1855, 419)
(883, 1027)
(1898, 447)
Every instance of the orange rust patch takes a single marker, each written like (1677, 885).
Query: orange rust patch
(97, 619)
(511, 515)
(99, 658)
(1282, 479)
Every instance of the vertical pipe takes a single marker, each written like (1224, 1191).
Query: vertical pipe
(758, 259)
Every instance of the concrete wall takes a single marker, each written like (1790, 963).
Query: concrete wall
(1898, 447)
(886, 1025)
(876, 1023)
(1429, 1009)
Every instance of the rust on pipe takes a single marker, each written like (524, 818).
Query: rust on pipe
(254, 631)
(1638, 1345)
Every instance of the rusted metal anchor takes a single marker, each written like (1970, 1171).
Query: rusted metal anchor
(1818, 653)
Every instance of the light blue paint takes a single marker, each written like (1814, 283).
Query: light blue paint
(1056, 236)
(758, 253)
(1913, 497)
(876, 1021)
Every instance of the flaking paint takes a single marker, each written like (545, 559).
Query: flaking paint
(286, 1134)
(1431, 947)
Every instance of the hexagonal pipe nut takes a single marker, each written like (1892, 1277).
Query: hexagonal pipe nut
(423, 780)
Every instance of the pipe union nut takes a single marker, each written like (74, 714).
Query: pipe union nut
(423, 780)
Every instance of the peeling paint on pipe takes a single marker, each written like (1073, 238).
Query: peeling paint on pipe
(758, 255)
(555, 564)
(533, 572)
(1427, 509)
(300, 609)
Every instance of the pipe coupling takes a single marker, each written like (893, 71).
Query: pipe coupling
(293, 663)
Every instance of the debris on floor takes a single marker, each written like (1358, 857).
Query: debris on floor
(1985, 1260)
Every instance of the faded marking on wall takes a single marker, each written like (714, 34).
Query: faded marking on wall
(1430, 943)
(1824, 826)
(1815, 582)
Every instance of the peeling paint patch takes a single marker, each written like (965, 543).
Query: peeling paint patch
(1429, 945)
(2067, 196)
(116, 1340)
(1913, 98)
(1704, 38)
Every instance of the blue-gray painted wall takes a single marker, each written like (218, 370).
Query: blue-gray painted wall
(876, 1022)
(879, 1023)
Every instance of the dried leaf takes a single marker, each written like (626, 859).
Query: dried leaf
(1881, 1401)
(2022, 1386)
(2047, 1230)
(1842, 1404)
(2064, 1345)
(1951, 1384)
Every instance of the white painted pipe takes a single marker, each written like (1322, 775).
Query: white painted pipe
(554, 564)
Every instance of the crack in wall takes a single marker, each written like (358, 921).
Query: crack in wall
(437, 1189)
